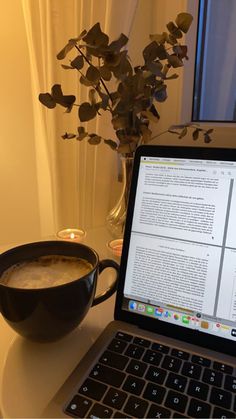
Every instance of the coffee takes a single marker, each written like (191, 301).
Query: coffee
(45, 271)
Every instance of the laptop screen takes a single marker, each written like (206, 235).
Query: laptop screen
(181, 257)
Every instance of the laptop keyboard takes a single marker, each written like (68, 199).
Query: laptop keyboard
(136, 377)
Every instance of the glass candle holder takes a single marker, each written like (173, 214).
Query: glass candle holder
(72, 234)
(115, 247)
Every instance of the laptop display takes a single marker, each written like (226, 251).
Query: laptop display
(181, 253)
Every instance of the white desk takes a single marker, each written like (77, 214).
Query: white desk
(31, 373)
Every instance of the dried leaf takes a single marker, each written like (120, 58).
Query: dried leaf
(174, 61)
(47, 100)
(85, 81)
(68, 136)
(181, 51)
(172, 77)
(150, 52)
(159, 38)
(120, 122)
(81, 133)
(105, 73)
(95, 37)
(93, 74)
(195, 134)
(92, 96)
(67, 67)
(86, 112)
(155, 67)
(207, 138)
(94, 139)
(78, 62)
(149, 115)
(183, 133)
(119, 43)
(111, 144)
(64, 100)
(183, 21)
(161, 94)
(174, 30)
(69, 46)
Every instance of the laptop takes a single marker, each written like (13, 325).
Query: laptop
(170, 352)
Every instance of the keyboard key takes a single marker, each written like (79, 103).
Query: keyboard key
(176, 382)
(205, 362)
(176, 401)
(152, 357)
(100, 411)
(78, 406)
(124, 336)
(221, 397)
(212, 377)
(158, 412)
(230, 383)
(136, 367)
(222, 413)
(160, 348)
(178, 415)
(134, 351)
(180, 354)
(199, 409)
(142, 342)
(114, 360)
(136, 407)
(107, 375)
(191, 370)
(223, 367)
(198, 389)
(117, 345)
(154, 393)
(156, 374)
(133, 385)
(115, 398)
(93, 389)
(170, 363)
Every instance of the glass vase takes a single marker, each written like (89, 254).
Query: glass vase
(117, 215)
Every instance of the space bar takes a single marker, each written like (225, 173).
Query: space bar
(107, 375)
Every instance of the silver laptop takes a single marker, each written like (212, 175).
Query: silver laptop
(170, 352)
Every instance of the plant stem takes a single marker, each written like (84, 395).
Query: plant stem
(158, 135)
(88, 62)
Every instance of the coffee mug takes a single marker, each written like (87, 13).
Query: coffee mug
(49, 313)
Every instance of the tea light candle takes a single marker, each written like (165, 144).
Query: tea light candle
(115, 246)
(71, 234)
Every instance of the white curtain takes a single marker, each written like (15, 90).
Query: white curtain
(75, 179)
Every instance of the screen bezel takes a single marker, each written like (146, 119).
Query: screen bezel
(187, 335)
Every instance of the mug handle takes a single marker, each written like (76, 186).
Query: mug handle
(103, 264)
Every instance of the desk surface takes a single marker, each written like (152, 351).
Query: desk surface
(31, 373)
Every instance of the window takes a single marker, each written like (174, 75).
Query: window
(214, 96)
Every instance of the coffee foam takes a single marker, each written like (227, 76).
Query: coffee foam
(45, 271)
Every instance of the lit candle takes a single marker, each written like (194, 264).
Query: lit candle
(71, 234)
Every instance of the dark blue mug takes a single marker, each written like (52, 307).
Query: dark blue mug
(48, 314)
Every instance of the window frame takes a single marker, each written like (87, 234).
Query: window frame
(224, 132)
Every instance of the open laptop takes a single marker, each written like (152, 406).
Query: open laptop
(170, 352)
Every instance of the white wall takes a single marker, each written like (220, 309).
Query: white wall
(19, 213)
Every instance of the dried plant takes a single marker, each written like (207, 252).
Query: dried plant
(133, 105)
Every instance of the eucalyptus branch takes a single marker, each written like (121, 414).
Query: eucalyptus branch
(140, 89)
(101, 80)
